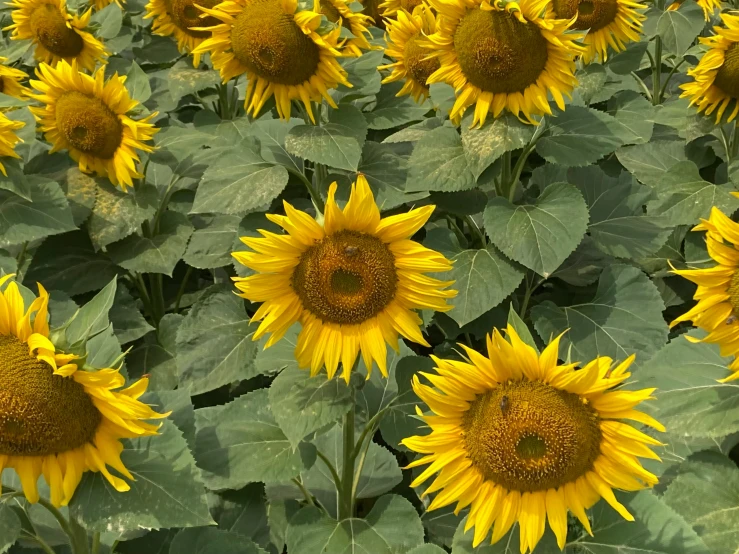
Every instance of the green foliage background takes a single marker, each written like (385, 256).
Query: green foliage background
(608, 192)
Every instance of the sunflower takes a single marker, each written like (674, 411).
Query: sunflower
(352, 283)
(56, 419)
(610, 22)
(392, 7)
(280, 50)
(501, 58)
(517, 437)
(88, 116)
(100, 4)
(10, 80)
(405, 39)
(717, 309)
(372, 9)
(177, 17)
(709, 6)
(8, 139)
(356, 23)
(57, 34)
(716, 77)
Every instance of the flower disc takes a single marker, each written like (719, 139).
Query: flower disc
(88, 124)
(498, 53)
(40, 413)
(727, 76)
(591, 14)
(529, 436)
(50, 29)
(347, 278)
(417, 62)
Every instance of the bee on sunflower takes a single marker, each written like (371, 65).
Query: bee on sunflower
(57, 34)
(717, 309)
(57, 419)
(353, 283)
(10, 80)
(519, 438)
(281, 50)
(502, 55)
(715, 85)
(355, 22)
(405, 38)
(89, 116)
(611, 23)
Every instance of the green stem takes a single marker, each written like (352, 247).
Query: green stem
(521, 161)
(505, 174)
(39, 541)
(95, 543)
(331, 469)
(20, 260)
(157, 297)
(642, 85)
(455, 228)
(526, 298)
(667, 80)
(306, 493)
(315, 197)
(181, 290)
(657, 71)
(346, 495)
(475, 230)
(734, 143)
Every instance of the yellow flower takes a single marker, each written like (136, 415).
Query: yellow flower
(503, 58)
(709, 6)
(392, 7)
(89, 117)
(177, 17)
(610, 22)
(405, 39)
(517, 437)
(8, 139)
(279, 49)
(716, 77)
(10, 80)
(717, 310)
(355, 23)
(57, 34)
(100, 4)
(353, 283)
(58, 420)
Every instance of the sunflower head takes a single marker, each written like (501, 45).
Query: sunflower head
(8, 139)
(406, 44)
(392, 7)
(609, 22)
(88, 116)
(57, 34)
(715, 85)
(520, 438)
(279, 48)
(179, 18)
(355, 22)
(10, 80)
(503, 56)
(353, 283)
(56, 419)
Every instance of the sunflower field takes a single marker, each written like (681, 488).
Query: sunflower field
(369, 277)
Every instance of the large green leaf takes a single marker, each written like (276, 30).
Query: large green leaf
(678, 28)
(649, 162)
(92, 318)
(706, 494)
(214, 342)
(117, 214)
(183, 79)
(128, 323)
(391, 527)
(498, 136)
(10, 527)
(303, 404)
(207, 540)
(241, 443)
(157, 254)
(239, 182)
(635, 114)
(624, 318)
(386, 174)
(540, 236)
(438, 162)
(271, 135)
(167, 492)
(211, 242)
(337, 143)
(427, 549)
(391, 110)
(137, 82)
(244, 512)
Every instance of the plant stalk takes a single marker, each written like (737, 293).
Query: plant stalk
(657, 72)
(346, 494)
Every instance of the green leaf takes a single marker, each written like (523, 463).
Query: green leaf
(117, 214)
(427, 549)
(10, 527)
(706, 494)
(683, 197)
(624, 318)
(184, 80)
(239, 182)
(498, 136)
(391, 527)
(580, 136)
(591, 79)
(629, 60)
(110, 19)
(211, 242)
(483, 279)
(515, 321)
(635, 114)
(649, 162)
(540, 236)
(441, 524)
(393, 111)
(128, 323)
(46, 214)
(150, 358)
(415, 132)
(386, 173)
(212, 541)
(278, 357)
(158, 254)
(214, 342)
(678, 29)
(243, 512)
(337, 143)
(167, 492)
(271, 134)
(69, 263)
(618, 225)
(303, 404)
(690, 400)
(241, 443)
(92, 318)
(438, 162)
(81, 191)
(137, 83)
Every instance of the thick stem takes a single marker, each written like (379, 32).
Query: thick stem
(331, 470)
(667, 80)
(505, 174)
(181, 290)
(314, 196)
(95, 549)
(657, 71)
(308, 497)
(346, 495)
